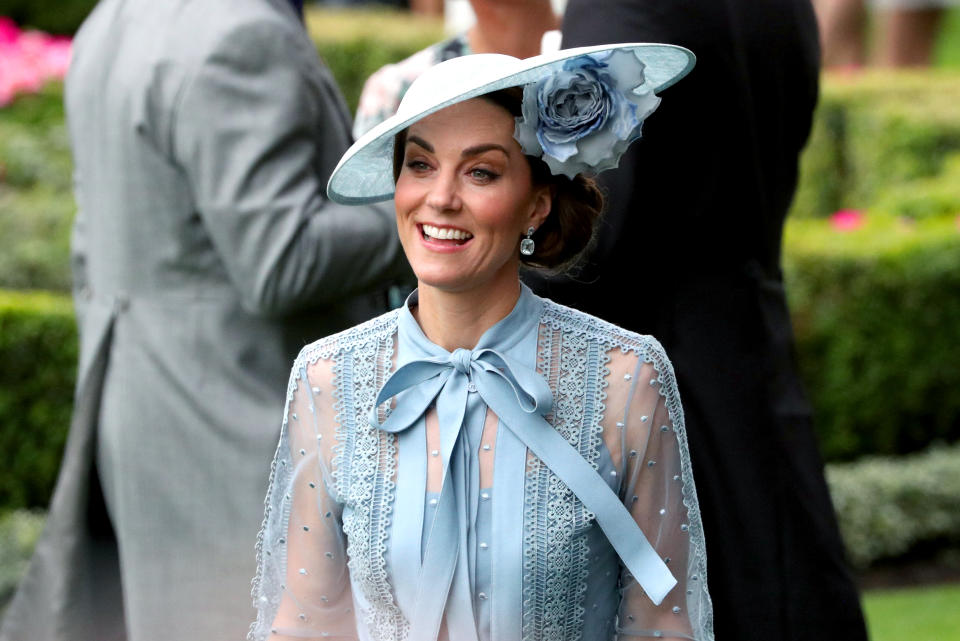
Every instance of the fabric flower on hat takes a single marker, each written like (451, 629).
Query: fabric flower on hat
(585, 115)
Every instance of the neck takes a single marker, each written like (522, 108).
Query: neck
(512, 28)
(458, 319)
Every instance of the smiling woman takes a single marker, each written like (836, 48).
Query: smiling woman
(484, 464)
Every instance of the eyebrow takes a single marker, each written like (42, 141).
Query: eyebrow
(420, 141)
(476, 150)
(469, 151)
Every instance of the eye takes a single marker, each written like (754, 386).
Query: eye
(483, 175)
(417, 165)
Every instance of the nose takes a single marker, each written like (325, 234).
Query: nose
(443, 194)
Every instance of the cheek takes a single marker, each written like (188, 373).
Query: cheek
(505, 212)
(405, 197)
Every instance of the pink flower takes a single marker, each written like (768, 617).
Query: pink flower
(847, 220)
(28, 59)
(56, 57)
(9, 31)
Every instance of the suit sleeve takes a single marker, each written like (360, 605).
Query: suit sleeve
(257, 128)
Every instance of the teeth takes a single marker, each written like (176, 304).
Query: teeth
(446, 233)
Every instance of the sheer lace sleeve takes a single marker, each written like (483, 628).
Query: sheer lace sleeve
(649, 445)
(302, 588)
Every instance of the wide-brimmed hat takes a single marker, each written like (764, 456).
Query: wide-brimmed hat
(365, 172)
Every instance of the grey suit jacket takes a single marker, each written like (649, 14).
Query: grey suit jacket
(205, 255)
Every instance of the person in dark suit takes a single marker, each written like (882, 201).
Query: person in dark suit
(206, 254)
(714, 175)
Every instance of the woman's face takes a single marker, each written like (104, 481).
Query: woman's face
(464, 198)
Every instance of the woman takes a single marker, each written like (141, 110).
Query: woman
(483, 463)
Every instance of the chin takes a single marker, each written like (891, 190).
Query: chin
(446, 282)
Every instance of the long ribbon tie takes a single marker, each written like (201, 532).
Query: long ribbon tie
(520, 397)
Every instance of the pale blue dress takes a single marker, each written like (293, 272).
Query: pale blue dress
(537, 487)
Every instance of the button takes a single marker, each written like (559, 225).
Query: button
(482, 596)
(471, 387)
(485, 496)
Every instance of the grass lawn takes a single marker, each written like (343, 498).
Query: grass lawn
(919, 614)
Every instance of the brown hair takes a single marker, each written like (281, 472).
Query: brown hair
(576, 203)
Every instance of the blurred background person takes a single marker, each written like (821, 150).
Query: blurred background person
(205, 255)
(906, 31)
(711, 181)
(519, 29)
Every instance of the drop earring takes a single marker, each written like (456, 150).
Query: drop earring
(527, 245)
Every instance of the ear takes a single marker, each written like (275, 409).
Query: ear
(540, 207)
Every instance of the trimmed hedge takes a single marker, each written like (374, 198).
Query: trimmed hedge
(19, 531)
(876, 312)
(888, 142)
(888, 506)
(36, 200)
(38, 361)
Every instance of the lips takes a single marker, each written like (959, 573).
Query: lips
(448, 234)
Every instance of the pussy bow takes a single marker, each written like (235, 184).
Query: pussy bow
(520, 397)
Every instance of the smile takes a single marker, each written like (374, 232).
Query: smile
(458, 236)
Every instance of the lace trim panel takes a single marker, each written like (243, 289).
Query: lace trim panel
(564, 319)
(364, 466)
(556, 563)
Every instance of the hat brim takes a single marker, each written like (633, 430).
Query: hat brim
(365, 172)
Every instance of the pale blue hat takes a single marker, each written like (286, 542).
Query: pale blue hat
(365, 172)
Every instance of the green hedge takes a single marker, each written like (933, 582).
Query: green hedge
(888, 506)
(887, 142)
(19, 531)
(38, 360)
(36, 200)
(876, 313)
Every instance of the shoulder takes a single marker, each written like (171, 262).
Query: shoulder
(412, 66)
(604, 333)
(369, 333)
(248, 36)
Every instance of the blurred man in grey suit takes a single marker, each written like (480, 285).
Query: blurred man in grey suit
(205, 256)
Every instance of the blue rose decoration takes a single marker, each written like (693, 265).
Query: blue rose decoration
(584, 116)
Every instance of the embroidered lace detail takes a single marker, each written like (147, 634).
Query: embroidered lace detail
(565, 319)
(556, 553)
(572, 353)
(267, 587)
(364, 465)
